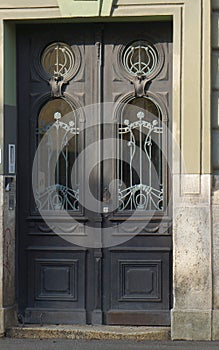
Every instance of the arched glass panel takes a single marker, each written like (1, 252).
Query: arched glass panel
(140, 165)
(57, 134)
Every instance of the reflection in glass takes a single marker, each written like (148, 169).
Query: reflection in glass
(140, 157)
(60, 145)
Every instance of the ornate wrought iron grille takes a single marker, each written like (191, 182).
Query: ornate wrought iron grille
(140, 141)
(58, 60)
(61, 144)
(140, 59)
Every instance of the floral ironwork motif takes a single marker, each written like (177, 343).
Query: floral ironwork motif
(137, 194)
(58, 196)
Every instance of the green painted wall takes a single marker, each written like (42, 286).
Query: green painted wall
(9, 64)
(10, 111)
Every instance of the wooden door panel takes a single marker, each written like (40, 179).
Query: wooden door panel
(61, 282)
(139, 270)
(55, 274)
(138, 285)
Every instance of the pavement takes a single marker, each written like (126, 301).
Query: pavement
(72, 344)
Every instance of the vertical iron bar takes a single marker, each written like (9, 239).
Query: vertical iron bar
(66, 171)
(160, 143)
(39, 156)
(48, 169)
(75, 183)
(139, 56)
(57, 59)
(130, 163)
(57, 153)
(150, 168)
(140, 144)
(121, 156)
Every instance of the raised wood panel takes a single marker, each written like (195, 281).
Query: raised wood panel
(56, 279)
(139, 280)
(215, 30)
(138, 318)
(215, 70)
(139, 289)
(62, 316)
(215, 4)
(215, 109)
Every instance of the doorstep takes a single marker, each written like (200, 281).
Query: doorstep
(90, 332)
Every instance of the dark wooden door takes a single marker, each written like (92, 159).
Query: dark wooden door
(93, 207)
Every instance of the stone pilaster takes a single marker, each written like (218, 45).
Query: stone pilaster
(192, 265)
(215, 247)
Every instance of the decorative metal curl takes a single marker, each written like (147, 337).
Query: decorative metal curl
(58, 61)
(140, 196)
(140, 59)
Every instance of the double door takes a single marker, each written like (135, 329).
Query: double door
(93, 185)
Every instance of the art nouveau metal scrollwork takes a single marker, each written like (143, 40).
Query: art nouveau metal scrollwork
(142, 191)
(58, 61)
(60, 135)
(140, 58)
(141, 61)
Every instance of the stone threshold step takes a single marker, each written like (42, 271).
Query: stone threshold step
(90, 332)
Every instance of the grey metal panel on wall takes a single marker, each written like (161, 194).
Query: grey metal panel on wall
(10, 134)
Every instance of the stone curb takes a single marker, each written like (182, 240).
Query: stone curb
(90, 332)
